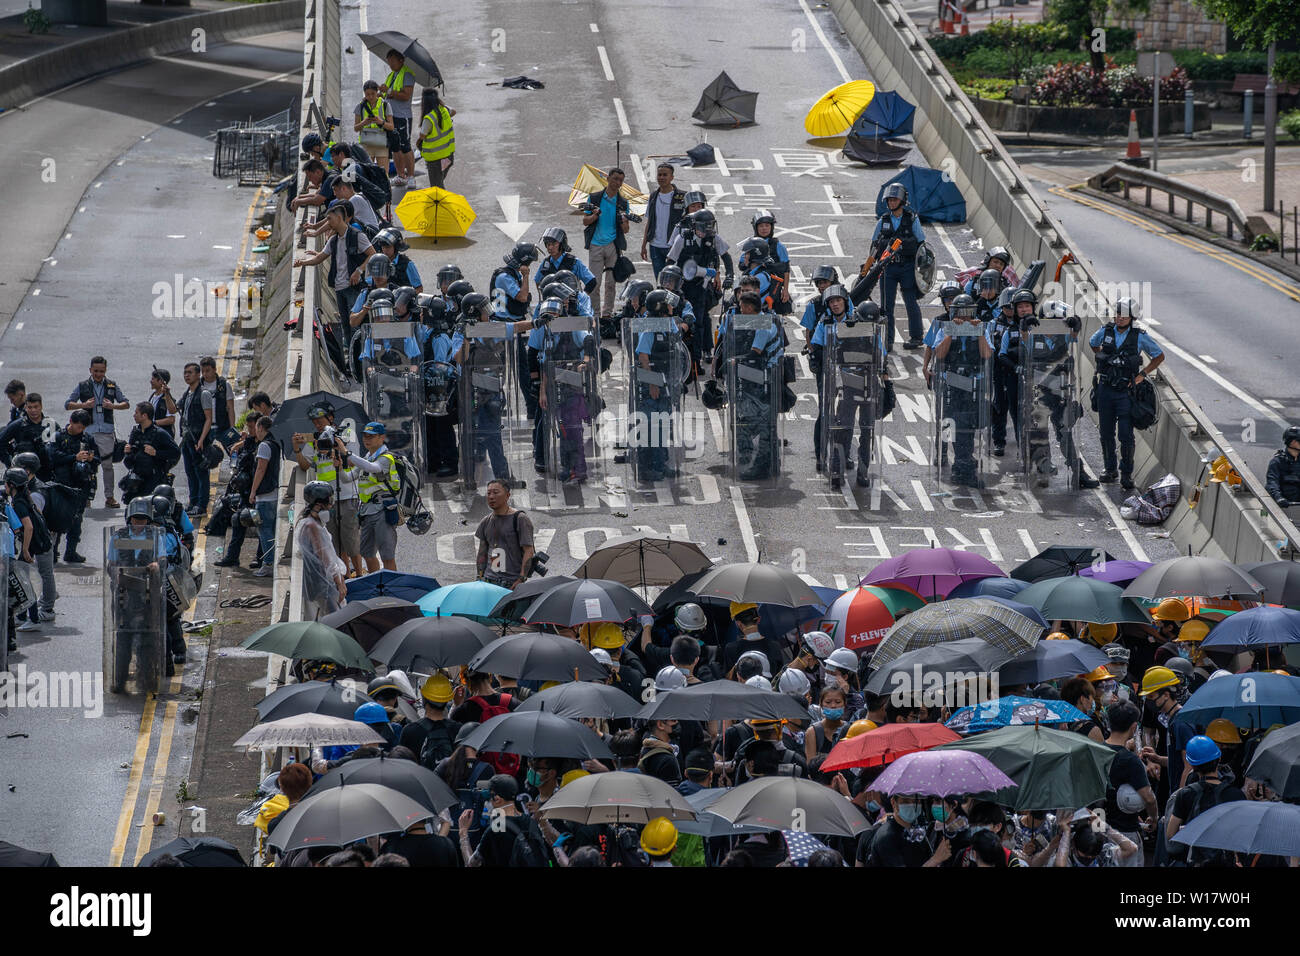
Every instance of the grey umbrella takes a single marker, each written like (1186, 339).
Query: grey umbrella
(1247, 826)
(641, 560)
(1277, 762)
(428, 643)
(709, 824)
(791, 803)
(617, 798)
(369, 619)
(950, 660)
(1191, 576)
(756, 584)
(308, 730)
(538, 734)
(345, 814)
(417, 57)
(311, 697)
(586, 601)
(1281, 580)
(723, 700)
(1074, 598)
(534, 656)
(583, 699)
(954, 620)
(1048, 660)
(512, 606)
(405, 776)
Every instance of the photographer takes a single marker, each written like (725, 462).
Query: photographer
(605, 218)
(150, 455)
(243, 455)
(325, 457)
(505, 540)
(74, 460)
(27, 433)
(196, 417)
(265, 493)
(100, 396)
(376, 489)
(164, 405)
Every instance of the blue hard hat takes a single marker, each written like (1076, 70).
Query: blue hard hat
(374, 428)
(372, 713)
(1202, 750)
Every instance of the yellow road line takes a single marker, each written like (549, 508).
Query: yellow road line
(159, 775)
(133, 783)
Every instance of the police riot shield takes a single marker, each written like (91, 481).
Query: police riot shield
(850, 399)
(1049, 407)
(754, 383)
(135, 610)
(486, 408)
(963, 396)
(394, 386)
(659, 364)
(570, 375)
(4, 610)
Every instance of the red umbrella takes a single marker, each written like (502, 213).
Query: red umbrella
(885, 744)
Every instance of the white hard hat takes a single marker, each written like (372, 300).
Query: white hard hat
(1128, 799)
(820, 643)
(690, 617)
(602, 656)
(843, 659)
(1220, 673)
(793, 682)
(762, 660)
(669, 678)
(758, 680)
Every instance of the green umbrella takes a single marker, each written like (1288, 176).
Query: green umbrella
(1077, 598)
(309, 641)
(1055, 769)
(896, 599)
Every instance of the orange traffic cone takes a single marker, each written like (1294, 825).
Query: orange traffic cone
(1134, 147)
(965, 23)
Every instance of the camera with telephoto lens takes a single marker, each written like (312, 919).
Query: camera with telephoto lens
(327, 436)
(537, 565)
(633, 217)
(83, 474)
(131, 485)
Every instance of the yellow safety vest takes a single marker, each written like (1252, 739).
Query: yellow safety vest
(390, 81)
(324, 465)
(375, 122)
(434, 149)
(369, 485)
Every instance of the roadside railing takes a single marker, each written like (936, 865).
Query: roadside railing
(1124, 178)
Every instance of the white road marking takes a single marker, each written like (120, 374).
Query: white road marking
(720, 162)
(365, 54)
(1219, 380)
(1027, 540)
(221, 247)
(640, 173)
(1274, 403)
(36, 292)
(594, 28)
(1208, 359)
(746, 529)
(622, 117)
(604, 63)
(1129, 538)
(952, 249)
(18, 326)
(817, 28)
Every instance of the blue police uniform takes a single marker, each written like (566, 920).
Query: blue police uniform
(554, 264)
(1118, 364)
(900, 274)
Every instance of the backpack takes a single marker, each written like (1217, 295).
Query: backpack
(438, 742)
(504, 763)
(529, 848)
(41, 540)
(407, 492)
(1180, 853)
(61, 507)
(373, 183)
(1143, 410)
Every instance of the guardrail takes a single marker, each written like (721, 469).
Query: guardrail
(1125, 177)
(951, 134)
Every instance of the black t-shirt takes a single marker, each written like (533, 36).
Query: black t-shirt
(1126, 768)
(424, 849)
(495, 847)
(890, 848)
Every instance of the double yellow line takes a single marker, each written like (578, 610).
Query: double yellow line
(144, 735)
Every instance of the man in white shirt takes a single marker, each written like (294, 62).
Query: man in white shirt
(667, 205)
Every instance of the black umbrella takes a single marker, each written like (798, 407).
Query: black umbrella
(512, 606)
(1277, 762)
(756, 584)
(538, 734)
(723, 700)
(971, 655)
(1058, 562)
(369, 620)
(291, 418)
(723, 103)
(1048, 660)
(874, 151)
(586, 601)
(583, 699)
(12, 856)
(197, 852)
(417, 57)
(1281, 580)
(1191, 576)
(681, 593)
(311, 697)
(425, 644)
(538, 657)
(405, 776)
(345, 814)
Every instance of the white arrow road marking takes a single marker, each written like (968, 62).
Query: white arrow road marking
(512, 227)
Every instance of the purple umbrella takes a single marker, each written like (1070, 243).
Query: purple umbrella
(1115, 572)
(933, 572)
(931, 773)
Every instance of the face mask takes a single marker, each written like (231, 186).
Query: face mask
(1185, 653)
(873, 807)
(533, 779)
(832, 713)
(908, 812)
(324, 516)
(939, 813)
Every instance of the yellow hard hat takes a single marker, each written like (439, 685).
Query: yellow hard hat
(1057, 636)
(1157, 678)
(549, 684)
(1193, 631)
(738, 608)
(437, 689)
(659, 838)
(573, 775)
(859, 727)
(607, 636)
(1223, 731)
(1221, 470)
(1102, 633)
(1100, 674)
(1171, 609)
(1282, 672)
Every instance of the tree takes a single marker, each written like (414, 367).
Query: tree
(1256, 23)
(1084, 17)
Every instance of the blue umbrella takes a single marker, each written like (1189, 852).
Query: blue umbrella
(1256, 627)
(1032, 613)
(1012, 711)
(989, 587)
(1248, 700)
(932, 197)
(888, 114)
(1247, 826)
(775, 620)
(399, 584)
(1048, 660)
(471, 599)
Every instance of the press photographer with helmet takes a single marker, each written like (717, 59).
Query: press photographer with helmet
(1283, 481)
(1119, 345)
(75, 460)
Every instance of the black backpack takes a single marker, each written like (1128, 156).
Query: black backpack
(439, 741)
(1143, 410)
(41, 540)
(1182, 855)
(529, 848)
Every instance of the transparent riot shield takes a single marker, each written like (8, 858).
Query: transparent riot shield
(570, 377)
(1049, 407)
(486, 407)
(657, 371)
(394, 386)
(850, 399)
(135, 610)
(963, 397)
(753, 346)
(4, 611)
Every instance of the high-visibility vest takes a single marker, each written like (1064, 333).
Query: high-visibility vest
(390, 81)
(374, 122)
(438, 145)
(369, 485)
(324, 464)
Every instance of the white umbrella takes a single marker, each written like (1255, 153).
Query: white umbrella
(617, 798)
(308, 730)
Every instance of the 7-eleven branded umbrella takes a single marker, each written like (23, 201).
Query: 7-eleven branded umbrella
(862, 616)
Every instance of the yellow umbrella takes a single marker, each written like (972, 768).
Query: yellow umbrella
(838, 108)
(435, 212)
(590, 180)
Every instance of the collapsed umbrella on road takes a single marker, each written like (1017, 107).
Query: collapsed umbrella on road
(723, 103)
(886, 116)
(931, 193)
(366, 621)
(425, 644)
(837, 108)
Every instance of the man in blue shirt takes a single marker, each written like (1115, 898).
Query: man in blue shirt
(1119, 346)
(900, 222)
(606, 225)
(824, 277)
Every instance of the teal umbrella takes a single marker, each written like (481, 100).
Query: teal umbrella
(1055, 769)
(472, 599)
(1075, 598)
(309, 641)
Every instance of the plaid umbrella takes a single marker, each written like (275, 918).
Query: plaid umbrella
(993, 623)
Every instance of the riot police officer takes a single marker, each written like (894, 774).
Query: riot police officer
(390, 243)
(756, 261)
(852, 369)
(440, 386)
(560, 259)
(445, 276)
(702, 253)
(175, 517)
(1283, 481)
(900, 222)
(948, 290)
(998, 259)
(510, 297)
(746, 349)
(823, 277)
(834, 308)
(568, 407)
(654, 352)
(763, 223)
(74, 461)
(1006, 384)
(961, 361)
(177, 582)
(1119, 345)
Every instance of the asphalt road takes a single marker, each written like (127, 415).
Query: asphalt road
(621, 82)
(133, 204)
